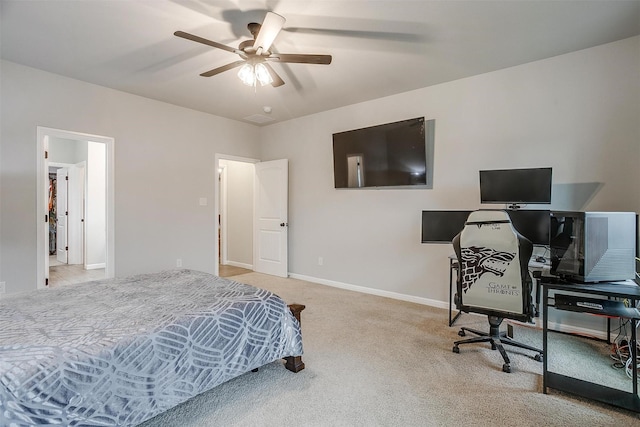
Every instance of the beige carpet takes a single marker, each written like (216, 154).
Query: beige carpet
(373, 361)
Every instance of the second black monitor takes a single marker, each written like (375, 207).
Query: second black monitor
(442, 226)
(532, 224)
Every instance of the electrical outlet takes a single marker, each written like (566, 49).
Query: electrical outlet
(179, 262)
(320, 261)
(3, 287)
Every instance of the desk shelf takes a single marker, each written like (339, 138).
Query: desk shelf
(623, 290)
(589, 390)
(608, 307)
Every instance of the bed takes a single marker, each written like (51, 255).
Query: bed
(120, 351)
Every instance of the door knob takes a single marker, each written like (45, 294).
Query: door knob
(284, 224)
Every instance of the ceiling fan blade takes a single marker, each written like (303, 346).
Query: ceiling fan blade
(223, 68)
(371, 35)
(301, 58)
(277, 81)
(271, 26)
(207, 42)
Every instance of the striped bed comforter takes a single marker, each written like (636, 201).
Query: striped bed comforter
(120, 351)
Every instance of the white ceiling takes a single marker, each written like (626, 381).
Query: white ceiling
(379, 47)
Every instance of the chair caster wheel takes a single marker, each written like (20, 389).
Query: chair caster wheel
(461, 333)
(538, 357)
(506, 368)
(493, 346)
(456, 349)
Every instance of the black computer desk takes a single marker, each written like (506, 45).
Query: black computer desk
(605, 290)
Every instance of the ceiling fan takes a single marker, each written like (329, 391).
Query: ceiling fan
(256, 55)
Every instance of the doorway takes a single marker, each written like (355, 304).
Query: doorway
(66, 211)
(235, 215)
(265, 200)
(75, 199)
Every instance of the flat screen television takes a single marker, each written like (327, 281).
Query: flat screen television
(398, 154)
(442, 226)
(516, 186)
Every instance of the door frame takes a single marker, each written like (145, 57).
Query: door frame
(223, 219)
(217, 203)
(42, 227)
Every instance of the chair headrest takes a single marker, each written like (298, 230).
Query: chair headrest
(488, 216)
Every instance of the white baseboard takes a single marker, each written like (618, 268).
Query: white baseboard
(371, 291)
(537, 322)
(95, 266)
(240, 264)
(558, 327)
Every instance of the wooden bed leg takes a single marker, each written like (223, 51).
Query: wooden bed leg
(296, 309)
(295, 363)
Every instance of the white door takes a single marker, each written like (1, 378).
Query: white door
(48, 195)
(271, 227)
(75, 214)
(61, 214)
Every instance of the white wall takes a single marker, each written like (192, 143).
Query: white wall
(1, 157)
(164, 163)
(240, 177)
(578, 113)
(66, 151)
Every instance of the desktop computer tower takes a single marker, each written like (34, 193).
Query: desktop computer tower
(593, 246)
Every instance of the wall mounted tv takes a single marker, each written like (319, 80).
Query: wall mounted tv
(516, 186)
(398, 154)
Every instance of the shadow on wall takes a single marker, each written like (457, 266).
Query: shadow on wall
(574, 197)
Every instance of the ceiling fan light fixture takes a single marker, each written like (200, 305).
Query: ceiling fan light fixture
(247, 75)
(263, 75)
(254, 53)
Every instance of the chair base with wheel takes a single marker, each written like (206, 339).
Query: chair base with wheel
(497, 339)
(493, 278)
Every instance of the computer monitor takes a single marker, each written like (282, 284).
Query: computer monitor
(532, 224)
(516, 186)
(442, 226)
